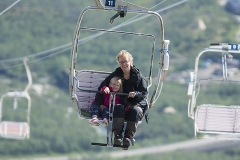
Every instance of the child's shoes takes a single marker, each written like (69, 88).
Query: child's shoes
(104, 122)
(94, 122)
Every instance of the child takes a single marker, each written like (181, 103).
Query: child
(115, 85)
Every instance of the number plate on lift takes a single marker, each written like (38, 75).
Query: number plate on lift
(234, 47)
(110, 3)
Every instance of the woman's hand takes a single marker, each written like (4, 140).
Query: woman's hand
(131, 94)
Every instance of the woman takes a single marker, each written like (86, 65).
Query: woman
(135, 85)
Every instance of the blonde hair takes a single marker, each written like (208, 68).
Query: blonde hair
(118, 80)
(125, 53)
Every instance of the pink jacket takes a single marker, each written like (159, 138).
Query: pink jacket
(106, 97)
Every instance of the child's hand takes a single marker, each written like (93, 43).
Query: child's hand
(106, 90)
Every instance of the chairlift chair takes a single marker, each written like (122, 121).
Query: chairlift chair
(15, 129)
(215, 121)
(84, 83)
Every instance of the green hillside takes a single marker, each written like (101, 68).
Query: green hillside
(42, 31)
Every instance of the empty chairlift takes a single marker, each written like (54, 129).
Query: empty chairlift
(14, 129)
(213, 119)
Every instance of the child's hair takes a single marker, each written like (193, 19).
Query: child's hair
(118, 80)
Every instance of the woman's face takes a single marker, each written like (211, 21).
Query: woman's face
(124, 63)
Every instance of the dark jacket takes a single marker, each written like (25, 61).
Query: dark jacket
(136, 83)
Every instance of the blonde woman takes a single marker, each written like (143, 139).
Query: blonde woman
(134, 84)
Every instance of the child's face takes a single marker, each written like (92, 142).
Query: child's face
(115, 85)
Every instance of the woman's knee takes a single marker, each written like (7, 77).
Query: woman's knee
(137, 110)
(135, 114)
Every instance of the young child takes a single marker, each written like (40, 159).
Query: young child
(115, 85)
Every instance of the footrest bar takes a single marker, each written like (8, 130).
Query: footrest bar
(104, 144)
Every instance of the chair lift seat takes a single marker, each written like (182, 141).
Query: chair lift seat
(86, 86)
(217, 119)
(14, 130)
